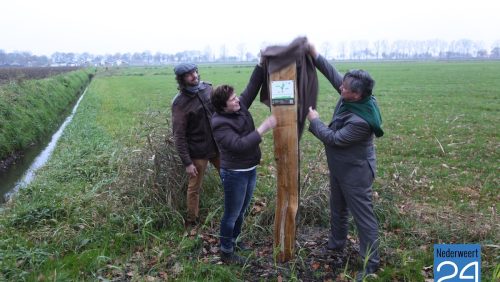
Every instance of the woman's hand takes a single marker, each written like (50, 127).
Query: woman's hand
(268, 124)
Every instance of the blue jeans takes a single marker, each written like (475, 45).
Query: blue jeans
(238, 191)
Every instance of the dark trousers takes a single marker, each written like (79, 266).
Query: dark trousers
(356, 199)
(238, 192)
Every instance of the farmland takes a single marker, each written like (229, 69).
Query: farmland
(109, 204)
(23, 73)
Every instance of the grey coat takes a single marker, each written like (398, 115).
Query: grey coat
(348, 139)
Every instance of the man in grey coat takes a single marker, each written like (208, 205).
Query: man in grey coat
(350, 153)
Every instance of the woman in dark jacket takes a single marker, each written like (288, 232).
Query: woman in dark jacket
(238, 142)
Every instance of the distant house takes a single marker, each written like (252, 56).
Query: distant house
(121, 62)
(58, 64)
(113, 63)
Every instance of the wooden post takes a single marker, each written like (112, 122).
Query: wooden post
(286, 152)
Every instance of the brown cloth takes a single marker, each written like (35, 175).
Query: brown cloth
(279, 57)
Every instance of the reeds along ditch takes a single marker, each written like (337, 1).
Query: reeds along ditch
(154, 175)
(31, 109)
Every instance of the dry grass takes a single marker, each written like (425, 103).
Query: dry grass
(153, 178)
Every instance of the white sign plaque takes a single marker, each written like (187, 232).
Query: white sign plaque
(282, 92)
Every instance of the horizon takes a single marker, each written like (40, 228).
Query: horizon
(347, 45)
(110, 27)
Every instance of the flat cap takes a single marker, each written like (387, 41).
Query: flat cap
(183, 68)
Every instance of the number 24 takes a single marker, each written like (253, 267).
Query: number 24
(462, 276)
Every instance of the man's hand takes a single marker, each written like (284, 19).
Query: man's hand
(261, 59)
(312, 50)
(313, 114)
(191, 170)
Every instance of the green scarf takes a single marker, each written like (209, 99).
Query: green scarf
(368, 110)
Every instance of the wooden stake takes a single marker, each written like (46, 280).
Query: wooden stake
(286, 152)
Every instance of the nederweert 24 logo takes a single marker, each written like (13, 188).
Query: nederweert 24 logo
(457, 262)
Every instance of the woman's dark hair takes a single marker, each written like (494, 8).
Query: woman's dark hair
(220, 95)
(361, 82)
(180, 79)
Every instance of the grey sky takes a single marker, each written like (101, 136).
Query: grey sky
(110, 26)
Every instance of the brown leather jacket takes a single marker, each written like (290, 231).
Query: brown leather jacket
(191, 114)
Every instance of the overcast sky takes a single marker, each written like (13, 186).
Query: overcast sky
(43, 27)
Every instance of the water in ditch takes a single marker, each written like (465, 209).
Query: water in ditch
(24, 170)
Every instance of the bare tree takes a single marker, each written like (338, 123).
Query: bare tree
(378, 48)
(342, 47)
(326, 47)
(241, 51)
(147, 57)
(85, 57)
(126, 57)
(223, 52)
(495, 52)
(482, 53)
(249, 56)
(359, 49)
(157, 58)
(3, 57)
(496, 44)
(208, 54)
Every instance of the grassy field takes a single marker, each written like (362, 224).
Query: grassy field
(108, 205)
(31, 108)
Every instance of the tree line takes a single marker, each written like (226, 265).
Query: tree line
(412, 49)
(345, 50)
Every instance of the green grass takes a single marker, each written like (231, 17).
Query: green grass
(31, 109)
(97, 209)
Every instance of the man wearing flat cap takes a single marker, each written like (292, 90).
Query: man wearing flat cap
(191, 114)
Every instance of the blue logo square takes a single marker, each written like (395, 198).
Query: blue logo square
(457, 262)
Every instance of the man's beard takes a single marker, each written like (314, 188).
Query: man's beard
(193, 88)
(191, 84)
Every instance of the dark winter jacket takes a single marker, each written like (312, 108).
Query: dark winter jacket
(235, 133)
(191, 114)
